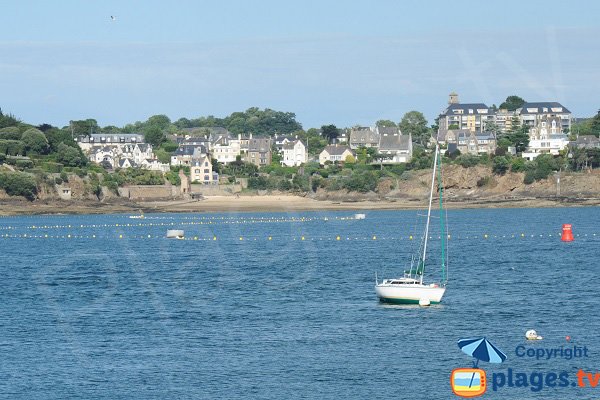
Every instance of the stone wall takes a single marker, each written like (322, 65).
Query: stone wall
(216, 190)
(150, 192)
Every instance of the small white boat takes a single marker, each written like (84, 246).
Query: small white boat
(360, 216)
(175, 234)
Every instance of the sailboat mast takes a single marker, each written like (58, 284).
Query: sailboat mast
(429, 209)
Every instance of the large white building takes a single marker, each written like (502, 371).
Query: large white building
(546, 137)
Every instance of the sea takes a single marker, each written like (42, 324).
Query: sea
(282, 305)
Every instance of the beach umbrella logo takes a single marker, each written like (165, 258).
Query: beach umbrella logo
(471, 382)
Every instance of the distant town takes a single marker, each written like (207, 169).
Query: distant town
(269, 150)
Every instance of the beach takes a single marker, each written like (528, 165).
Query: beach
(267, 203)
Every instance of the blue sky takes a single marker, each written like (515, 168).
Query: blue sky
(341, 62)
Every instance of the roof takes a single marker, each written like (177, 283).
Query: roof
(124, 160)
(188, 150)
(394, 141)
(364, 135)
(112, 138)
(291, 145)
(587, 139)
(261, 145)
(528, 108)
(465, 107)
(334, 150)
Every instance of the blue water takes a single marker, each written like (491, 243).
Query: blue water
(99, 309)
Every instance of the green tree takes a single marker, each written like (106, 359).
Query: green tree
(154, 135)
(330, 132)
(595, 125)
(415, 123)
(57, 136)
(10, 133)
(512, 103)
(70, 156)
(8, 120)
(161, 121)
(35, 141)
(18, 184)
(385, 122)
(83, 127)
(500, 165)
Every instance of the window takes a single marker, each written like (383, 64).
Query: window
(206, 163)
(206, 171)
(196, 171)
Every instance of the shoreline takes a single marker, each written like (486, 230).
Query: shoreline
(269, 203)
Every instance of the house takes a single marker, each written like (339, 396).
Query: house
(468, 142)
(294, 153)
(259, 152)
(586, 142)
(185, 153)
(469, 116)
(546, 137)
(119, 150)
(86, 143)
(335, 153)
(281, 140)
(393, 144)
(344, 136)
(224, 147)
(363, 137)
(201, 171)
(155, 165)
(533, 114)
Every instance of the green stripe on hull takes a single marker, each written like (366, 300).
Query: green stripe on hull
(402, 301)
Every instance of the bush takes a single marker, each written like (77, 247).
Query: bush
(35, 141)
(70, 156)
(18, 184)
(484, 181)
(12, 147)
(64, 176)
(284, 185)
(58, 181)
(173, 178)
(467, 160)
(10, 133)
(500, 165)
(529, 177)
(24, 164)
(517, 164)
(52, 167)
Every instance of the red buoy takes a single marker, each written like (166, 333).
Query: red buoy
(567, 233)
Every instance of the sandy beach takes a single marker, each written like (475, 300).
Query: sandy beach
(266, 203)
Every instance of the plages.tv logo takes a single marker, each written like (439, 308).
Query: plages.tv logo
(472, 382)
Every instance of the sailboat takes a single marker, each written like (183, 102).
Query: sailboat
(411, 288)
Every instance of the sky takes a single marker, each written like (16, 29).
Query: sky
(330, 62)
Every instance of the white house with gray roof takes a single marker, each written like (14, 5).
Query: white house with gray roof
(335, 153)
(394, 145)
(294, 153)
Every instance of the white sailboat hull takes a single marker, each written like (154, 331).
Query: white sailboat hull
(409, 294)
